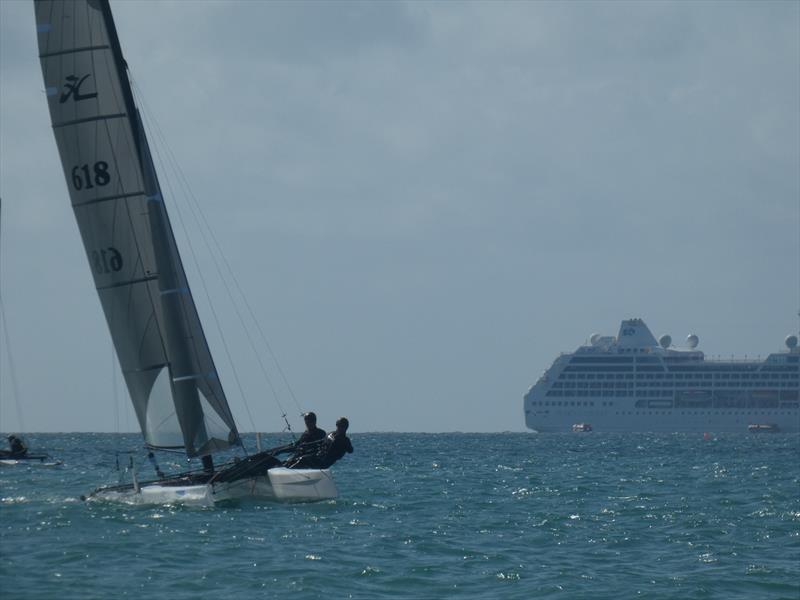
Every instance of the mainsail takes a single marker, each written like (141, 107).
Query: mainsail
(126, 232)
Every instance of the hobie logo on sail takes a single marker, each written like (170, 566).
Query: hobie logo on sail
(73, 89)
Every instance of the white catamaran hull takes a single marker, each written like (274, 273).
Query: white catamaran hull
(280, 484)
(11, 462)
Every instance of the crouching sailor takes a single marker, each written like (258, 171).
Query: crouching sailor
(18, 449)
(336, 445)
(310, 441)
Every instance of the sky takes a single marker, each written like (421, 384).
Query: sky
(423, 202)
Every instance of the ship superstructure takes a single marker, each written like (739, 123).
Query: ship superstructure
(633, 382)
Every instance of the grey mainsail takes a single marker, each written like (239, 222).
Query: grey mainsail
(119, 208)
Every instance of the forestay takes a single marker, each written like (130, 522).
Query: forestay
(119, 208)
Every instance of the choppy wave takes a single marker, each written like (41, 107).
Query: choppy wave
(429, 516)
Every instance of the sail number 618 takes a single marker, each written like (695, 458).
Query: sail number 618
(106, 260)
(83, 177)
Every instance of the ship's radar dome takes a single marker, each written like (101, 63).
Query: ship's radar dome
(791, 342)
(665, 341)
(692, 340)
(595, 338)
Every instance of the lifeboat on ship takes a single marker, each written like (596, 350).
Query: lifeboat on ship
(763, 428)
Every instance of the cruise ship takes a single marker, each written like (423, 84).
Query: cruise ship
(634, 383)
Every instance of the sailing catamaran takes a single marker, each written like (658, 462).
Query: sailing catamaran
(17, 455)
(140, 279)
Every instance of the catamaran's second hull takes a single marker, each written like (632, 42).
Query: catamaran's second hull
(278, 484)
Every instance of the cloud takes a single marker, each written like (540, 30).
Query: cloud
(412, 193)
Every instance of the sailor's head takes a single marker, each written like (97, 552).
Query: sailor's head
(310, 418)
(342, 424)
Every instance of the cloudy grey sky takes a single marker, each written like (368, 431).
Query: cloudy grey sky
(424, 202)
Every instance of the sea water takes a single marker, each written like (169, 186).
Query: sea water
(584, 515)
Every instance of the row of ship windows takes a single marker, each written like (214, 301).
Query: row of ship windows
(785, 395)
(693, 376)
(694, 412)
(604, 393)
(644, 359)
(629, 385)
(673, 368)
(681, 363)
(762, 403)
(574, 403)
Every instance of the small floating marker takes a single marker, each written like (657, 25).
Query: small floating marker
(707, 436)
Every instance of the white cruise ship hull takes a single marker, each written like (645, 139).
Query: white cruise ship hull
(633, 383)
(627, 418)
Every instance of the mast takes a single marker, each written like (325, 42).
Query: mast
(169, 283)
(119, 208)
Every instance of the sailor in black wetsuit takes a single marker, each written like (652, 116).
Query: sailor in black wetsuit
(18, 447)
(311, 439)
(337, 444)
